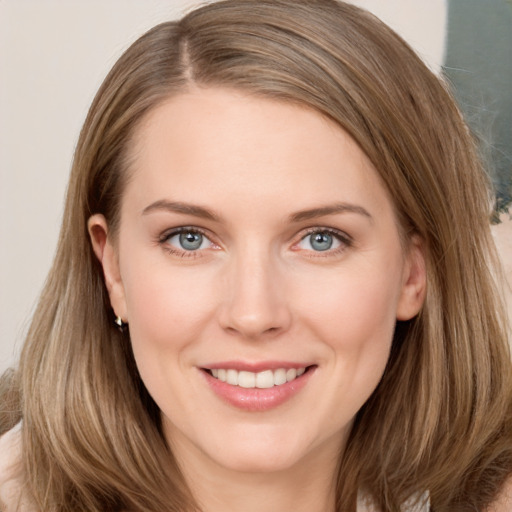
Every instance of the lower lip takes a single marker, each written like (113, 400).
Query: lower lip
(256, 399)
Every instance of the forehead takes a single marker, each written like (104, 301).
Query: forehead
(218, 144)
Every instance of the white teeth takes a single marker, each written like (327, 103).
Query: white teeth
(232, 377)
(279, 376)
(262, 380)
(246, 379)
(291, 374)
(265, 379)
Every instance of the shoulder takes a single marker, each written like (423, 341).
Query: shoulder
(10, 479)
(503, 503)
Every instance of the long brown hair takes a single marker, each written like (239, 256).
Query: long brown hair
(439, 419)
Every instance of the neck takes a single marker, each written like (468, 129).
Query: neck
(308, 486)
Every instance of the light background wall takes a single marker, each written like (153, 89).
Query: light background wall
(53, 57)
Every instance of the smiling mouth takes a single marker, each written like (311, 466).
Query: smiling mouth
(261, 380)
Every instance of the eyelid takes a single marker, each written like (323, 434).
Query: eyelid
(172, 232)
(345, 240)
(168, 233)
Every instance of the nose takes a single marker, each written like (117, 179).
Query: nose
(255, 302)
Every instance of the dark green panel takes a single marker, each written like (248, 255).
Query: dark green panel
(478, 62)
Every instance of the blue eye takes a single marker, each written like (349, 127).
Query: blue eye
(323, 240)
(191, 241)
(188, 240)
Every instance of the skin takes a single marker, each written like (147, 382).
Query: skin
(257, 289)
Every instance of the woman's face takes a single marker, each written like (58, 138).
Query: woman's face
(260, 268)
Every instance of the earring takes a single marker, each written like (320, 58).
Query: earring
(120, 324)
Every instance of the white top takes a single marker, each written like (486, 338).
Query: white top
(414, 504)
(10, 489)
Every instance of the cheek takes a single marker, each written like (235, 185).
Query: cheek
(166, 309)
(355, 317)
(354, 309)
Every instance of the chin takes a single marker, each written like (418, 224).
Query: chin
(258, 462)
(267, 451)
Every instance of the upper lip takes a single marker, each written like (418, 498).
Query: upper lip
(255, 367)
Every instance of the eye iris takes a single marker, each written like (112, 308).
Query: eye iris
(321, 241)
(191, 241)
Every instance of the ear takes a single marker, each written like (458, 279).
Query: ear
(414, 284)
(107, 256)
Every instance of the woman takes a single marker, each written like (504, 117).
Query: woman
(274, 287)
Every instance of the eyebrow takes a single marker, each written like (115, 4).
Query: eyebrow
(300, 216)
(178, 207)
(329, 210)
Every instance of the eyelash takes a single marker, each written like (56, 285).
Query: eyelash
(164, 239)
(345, 241)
